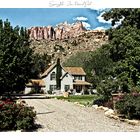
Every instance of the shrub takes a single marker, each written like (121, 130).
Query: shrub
(107, 87)
(103, 101)
(25, 118)
(16, 116)
(100, 101)
(129, 106)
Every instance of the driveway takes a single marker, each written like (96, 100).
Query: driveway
(62, 116)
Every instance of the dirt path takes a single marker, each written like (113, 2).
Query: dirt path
(61, 116)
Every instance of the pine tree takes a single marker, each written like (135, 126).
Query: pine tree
(58, 74)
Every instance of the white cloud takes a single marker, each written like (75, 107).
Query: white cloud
(100, 28)
(101, 19)
(84, 22)
(118, 23)
(81, 18)
(86, 25)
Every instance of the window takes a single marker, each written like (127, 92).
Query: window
(67, 87)
(52, 87)
(78, 77)
(52, 76)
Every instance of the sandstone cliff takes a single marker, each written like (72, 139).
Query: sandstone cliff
(61, 31)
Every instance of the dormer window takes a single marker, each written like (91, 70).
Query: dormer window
(52, 76)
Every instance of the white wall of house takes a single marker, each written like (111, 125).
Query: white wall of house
(48, 80)
(67, 81)
(27, 90)
(83, 78)
(44, 89)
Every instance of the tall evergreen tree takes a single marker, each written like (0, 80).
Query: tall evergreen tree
(58, 74)
(15, 58)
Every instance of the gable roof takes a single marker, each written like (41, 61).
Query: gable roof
(75, 70)
(63, 75)
(70, 70)
(48, 70)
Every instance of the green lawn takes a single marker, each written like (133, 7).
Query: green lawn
(82, 99)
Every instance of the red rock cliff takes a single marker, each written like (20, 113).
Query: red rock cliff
(61, 31)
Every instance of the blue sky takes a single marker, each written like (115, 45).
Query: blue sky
(28, 17)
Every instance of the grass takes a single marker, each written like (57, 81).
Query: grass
(86, 100)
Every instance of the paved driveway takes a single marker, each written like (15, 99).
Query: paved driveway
(62, 116)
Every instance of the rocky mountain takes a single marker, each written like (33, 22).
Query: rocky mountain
(61, 31)
(65, 46)
(65, 40)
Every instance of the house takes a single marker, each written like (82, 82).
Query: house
(72, 78)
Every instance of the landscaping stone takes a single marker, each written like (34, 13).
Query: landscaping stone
(76, 103)
(95, 106)
(113, 117)
(109, 112)
(81, 105)
(105, 109)
(100, 107)
(133, 122)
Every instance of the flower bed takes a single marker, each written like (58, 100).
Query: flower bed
(16, 116)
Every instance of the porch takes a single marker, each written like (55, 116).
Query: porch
(79, 86)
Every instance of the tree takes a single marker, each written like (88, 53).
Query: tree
(58, 74)
(124, 47)
(15, 58)
(100, 65)
(40, 64)
(130, 16)
(97, 64)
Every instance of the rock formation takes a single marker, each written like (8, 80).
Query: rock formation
(64, 48)
(65, 40)
(61, 31)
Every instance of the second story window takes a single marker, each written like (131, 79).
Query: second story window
(52, 76)
(79, 77)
